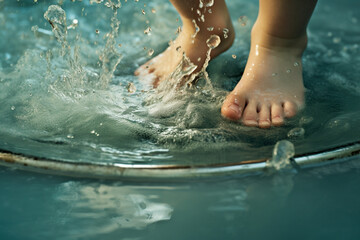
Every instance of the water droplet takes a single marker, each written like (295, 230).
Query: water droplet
(296, 64)
(288, 71)
(34, 28)
(210, 29)
(207, 3)
(199, 59)
(74, 24)
(147, 30)
(233, 56)
(305, 120)
(282, 153)
(150, 52)
(143, 11)
(274, 74)
(243, 20)
(226, 31)
(296, 133)
(97, 31)
(153, 10)
(213, 41)
(336, 40)
(197, 29)
(96, 1)
(70, 136)
(13, 108)
(131, 87)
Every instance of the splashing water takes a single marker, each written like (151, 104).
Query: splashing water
(197, 29)
(56, 16)
(206, 3)
(75, 92)
(213, 42)
(283, 152)
(110, 58)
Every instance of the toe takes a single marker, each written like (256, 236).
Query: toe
(251, 116)
(264, 116)
(233, 106)
(290, 109)
(277, 114)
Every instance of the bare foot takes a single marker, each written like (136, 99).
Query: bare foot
(192, 41)
(271, 87)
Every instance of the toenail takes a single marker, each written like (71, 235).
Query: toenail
(264, 124)
(277, 120)
(250, 122)
(235, 108)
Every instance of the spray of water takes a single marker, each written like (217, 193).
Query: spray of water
(109, 57)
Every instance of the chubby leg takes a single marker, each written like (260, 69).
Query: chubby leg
(271, 87)
(200, 20)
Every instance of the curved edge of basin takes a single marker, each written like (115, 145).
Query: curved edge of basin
(139, 171)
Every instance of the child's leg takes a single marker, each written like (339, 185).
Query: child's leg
(215, 20)
(271, 87)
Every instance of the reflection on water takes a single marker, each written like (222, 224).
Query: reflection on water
(320, 202)
(106, 208)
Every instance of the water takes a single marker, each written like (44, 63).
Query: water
(321, 203)
(74, 97)
(68, 91)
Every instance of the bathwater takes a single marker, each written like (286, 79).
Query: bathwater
(68, 92)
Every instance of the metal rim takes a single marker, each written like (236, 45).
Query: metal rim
(137, 171)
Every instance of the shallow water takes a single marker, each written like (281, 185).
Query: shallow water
(58, 108)
(319, 203)
(71, 107)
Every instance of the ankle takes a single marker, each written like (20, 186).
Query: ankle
(266, 39)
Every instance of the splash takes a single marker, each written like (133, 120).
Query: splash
(109, 57)
(80, 77)
(56, 16)
(212, 43)
(206, 3)
(282, 153)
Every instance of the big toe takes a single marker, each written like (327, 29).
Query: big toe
(233, 106)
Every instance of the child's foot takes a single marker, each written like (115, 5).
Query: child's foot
(192, 41)
(271, 87)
